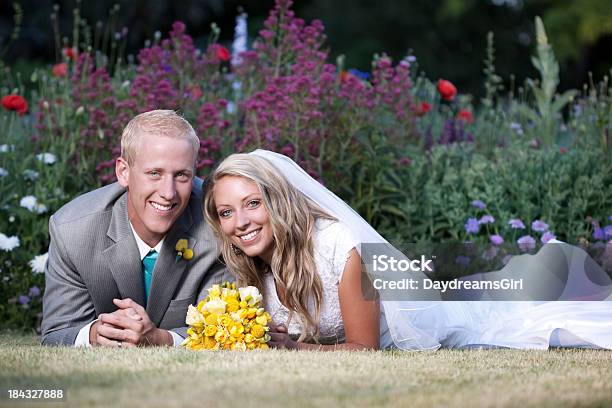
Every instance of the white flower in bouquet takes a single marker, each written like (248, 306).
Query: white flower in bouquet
(194, 317)
(8, 243)
(215, 306)
(38, 263)
(251, 295)
(3, 172)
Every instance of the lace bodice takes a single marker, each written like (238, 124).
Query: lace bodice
(332, 244)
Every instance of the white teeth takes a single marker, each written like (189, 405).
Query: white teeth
(250, 235)
(161, 207)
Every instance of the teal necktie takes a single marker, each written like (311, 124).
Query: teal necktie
(148, 263)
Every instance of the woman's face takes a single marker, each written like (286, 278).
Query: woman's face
(243, 216)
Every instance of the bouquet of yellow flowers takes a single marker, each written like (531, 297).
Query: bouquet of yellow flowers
(228, 319)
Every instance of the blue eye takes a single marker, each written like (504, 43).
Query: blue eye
(225, 213)
(253, 203)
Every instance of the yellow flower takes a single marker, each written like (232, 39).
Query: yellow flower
(237, 330)
(239, 346)
(257, 330)
(248, 338)
(252, 313)
(262, 320)
(232, 305)
(225, 320)
(264, 346)
(209, 343)
(182, 250)
(221, 336)
(210, 330)
(181, 245)
(214, 291)
(188, 254)
(212, 319)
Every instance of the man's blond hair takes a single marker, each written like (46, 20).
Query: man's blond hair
(156, 122)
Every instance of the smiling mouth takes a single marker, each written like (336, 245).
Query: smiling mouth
(250, 236)
(162, 208)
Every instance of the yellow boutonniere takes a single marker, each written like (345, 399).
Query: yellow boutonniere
(182, 250)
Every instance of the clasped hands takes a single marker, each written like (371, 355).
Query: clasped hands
(128, 326)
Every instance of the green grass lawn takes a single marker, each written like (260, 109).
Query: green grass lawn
(164, 377)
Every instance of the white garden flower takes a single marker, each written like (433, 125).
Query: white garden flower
(38, 263)
(250, 294)
(31, 204)
(3, 172)
(231, 108)
(5, 148)
(47, 158)
(241, 37)
(8, 243)
(30, 174)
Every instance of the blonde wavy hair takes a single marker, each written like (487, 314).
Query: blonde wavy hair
(292, 218)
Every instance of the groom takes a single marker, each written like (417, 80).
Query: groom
(114, 277)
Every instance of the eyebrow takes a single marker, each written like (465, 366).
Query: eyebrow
(243, 200)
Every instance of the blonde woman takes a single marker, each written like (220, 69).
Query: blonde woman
(302, 259)
(282, 231)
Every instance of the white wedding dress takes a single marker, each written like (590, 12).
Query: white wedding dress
(429, 325)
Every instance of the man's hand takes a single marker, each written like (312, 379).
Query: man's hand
(129, 326)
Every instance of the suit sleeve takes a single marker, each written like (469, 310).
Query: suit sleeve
(67, 305)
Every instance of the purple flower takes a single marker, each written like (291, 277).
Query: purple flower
(610, 218)
(472, 226)
(496, 239)
(539, 225)
(516, 223)
(462, 260)
(599, 234)
(34, 292)
(608, 231)
(486, 219)
(478, 204)
(547, 236)
(23, 299)
(526, 242)
(359, 74)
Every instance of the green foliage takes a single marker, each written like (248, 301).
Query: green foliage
(548, 105)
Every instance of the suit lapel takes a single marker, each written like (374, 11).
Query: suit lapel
(123, 256)
(168, 271)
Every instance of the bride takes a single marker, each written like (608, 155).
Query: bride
(283, 232)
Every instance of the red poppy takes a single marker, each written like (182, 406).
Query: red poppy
(16, 103)
(60, 70)
(562, 150)
(465, 115)
(422, 109)
(447, 90)
(70, 52)
(223, 53)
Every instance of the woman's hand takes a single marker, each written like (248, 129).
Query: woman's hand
(279, 338)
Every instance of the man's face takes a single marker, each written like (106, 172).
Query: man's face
(158, 183)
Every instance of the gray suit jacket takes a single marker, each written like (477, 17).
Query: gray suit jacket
(93, 258)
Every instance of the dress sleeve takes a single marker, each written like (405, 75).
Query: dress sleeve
(334, 243)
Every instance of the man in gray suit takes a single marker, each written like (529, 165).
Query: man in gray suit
(114, 275)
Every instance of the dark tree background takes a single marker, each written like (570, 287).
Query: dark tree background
(446, 36)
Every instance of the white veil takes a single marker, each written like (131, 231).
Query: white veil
(396, 329)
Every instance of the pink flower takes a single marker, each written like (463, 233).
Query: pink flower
(465, 115)
(60, 70)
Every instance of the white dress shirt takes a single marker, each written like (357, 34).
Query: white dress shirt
(82, 339)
